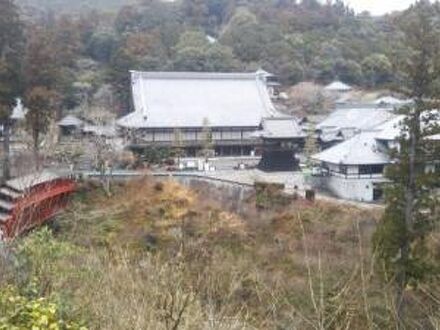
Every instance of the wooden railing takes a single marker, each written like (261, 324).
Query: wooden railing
(352, 175)
(37, 206)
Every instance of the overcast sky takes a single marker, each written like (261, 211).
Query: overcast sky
(379, 7)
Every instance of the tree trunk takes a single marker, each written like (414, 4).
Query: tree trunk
(410, 198)
(36, 135)
(6, 151)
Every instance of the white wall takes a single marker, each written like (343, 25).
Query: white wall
(352, 189)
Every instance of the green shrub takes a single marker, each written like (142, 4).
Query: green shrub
(42, 258)
(18, 312)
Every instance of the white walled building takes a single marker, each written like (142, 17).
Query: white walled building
(354, 169)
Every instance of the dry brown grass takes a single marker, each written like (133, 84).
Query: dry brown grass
(160, 256)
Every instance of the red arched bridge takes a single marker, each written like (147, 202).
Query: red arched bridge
(29, 201)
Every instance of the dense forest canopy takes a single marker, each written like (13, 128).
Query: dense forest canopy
(307, 40)
(63, 6)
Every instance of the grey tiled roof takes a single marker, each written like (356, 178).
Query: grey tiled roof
(362, 149)
(391, 130)
(359, 118)
(188, 99)
(281, 128)
(71, 121)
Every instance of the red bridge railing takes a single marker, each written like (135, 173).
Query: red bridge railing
(34, 205)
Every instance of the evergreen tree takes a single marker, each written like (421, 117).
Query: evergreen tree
(118, 75)
(377, 70)
(41, 72)
(196, 11)
(11, 54)
(411, 212)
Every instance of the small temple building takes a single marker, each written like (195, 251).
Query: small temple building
(281, 139)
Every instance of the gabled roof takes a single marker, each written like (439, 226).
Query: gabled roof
(363, 148)
(337, 86)
(190, 99)
(70, 121)
(359, 150)
(281, 128)
(391, 130)
(360, 118)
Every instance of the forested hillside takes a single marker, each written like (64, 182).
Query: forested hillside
(297, 41)
(63, 6)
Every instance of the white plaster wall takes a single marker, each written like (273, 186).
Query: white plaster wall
(352, 189)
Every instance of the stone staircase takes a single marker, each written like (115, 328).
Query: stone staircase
(8, 197)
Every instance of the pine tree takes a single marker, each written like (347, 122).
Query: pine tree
(11, 54)
(411, 212)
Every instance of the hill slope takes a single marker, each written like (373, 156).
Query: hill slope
(161, 256)
(64, 6)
